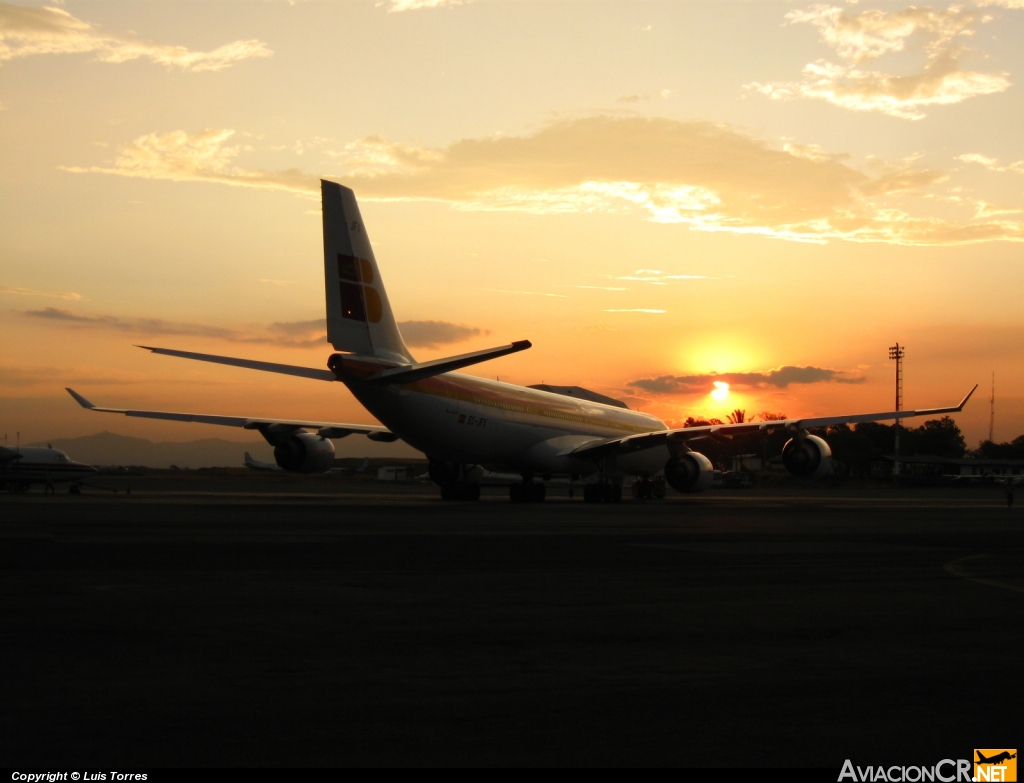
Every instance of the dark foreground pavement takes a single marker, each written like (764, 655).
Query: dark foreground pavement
(322, 630)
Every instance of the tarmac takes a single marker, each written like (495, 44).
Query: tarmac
(272, 621)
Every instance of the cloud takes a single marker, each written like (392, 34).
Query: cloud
(992, 164)
(397, 6)
(200, 157)
(431, 334)
(592, 287)
(10, 289)
(19, 376)
(35, 31)
(864, 36)
(698, 174)
(644, 96)
(779, 378)
(298, 334)
(636, 310)
(525, 293)
(657, 277)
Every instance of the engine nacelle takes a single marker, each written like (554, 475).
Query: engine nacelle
(809, 457)
(690, 472)
(305, 453)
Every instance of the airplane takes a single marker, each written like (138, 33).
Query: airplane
(363, 467)
(20, 468)
(461, 421)
(255, 464)
(996, 759)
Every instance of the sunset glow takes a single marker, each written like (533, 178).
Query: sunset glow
(678, 197)
(721, 391)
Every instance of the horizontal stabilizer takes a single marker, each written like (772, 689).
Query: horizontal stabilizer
(417, 372)
(326, 429)
(284, 369)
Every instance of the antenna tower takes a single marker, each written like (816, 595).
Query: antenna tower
(896, 352)
(992, 410)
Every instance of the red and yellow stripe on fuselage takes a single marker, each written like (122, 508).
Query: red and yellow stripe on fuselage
(477, 420)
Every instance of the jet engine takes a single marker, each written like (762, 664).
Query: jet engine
(305, 452)
(691, 472)
(809, 457)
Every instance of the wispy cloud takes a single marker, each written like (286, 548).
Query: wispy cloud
(992, 164)
(592, 287)
(299, 334)
(289, 334)
(779, 378)
(704, 176)
(200, 157)
(525, 293)
(21, 376)
(863, 36)
(69, 295)
(657, 277)
(643, 96)
(397, 6)
(431, 334)
(25, 32)
(636, 310)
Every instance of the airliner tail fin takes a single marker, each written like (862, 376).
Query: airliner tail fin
(359, 317)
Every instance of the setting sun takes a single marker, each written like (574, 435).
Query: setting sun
(721, 391)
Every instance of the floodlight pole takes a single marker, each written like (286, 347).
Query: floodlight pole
(896, 353)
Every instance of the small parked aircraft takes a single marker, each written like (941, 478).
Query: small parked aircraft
(20, 468)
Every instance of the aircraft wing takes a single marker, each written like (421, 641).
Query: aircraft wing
(326, 429)
(649, 440)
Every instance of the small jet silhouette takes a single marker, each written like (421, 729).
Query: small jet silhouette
(999, 758)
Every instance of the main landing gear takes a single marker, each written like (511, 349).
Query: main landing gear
(646, 489)
(454, 483)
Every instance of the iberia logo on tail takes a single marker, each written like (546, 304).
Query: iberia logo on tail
(995, 764)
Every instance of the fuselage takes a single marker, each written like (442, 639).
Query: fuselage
(469, 420)
(36, 465)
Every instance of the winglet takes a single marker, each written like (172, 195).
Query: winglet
(79, 398)
(960, 407)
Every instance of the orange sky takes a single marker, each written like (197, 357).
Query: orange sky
(652, 193)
